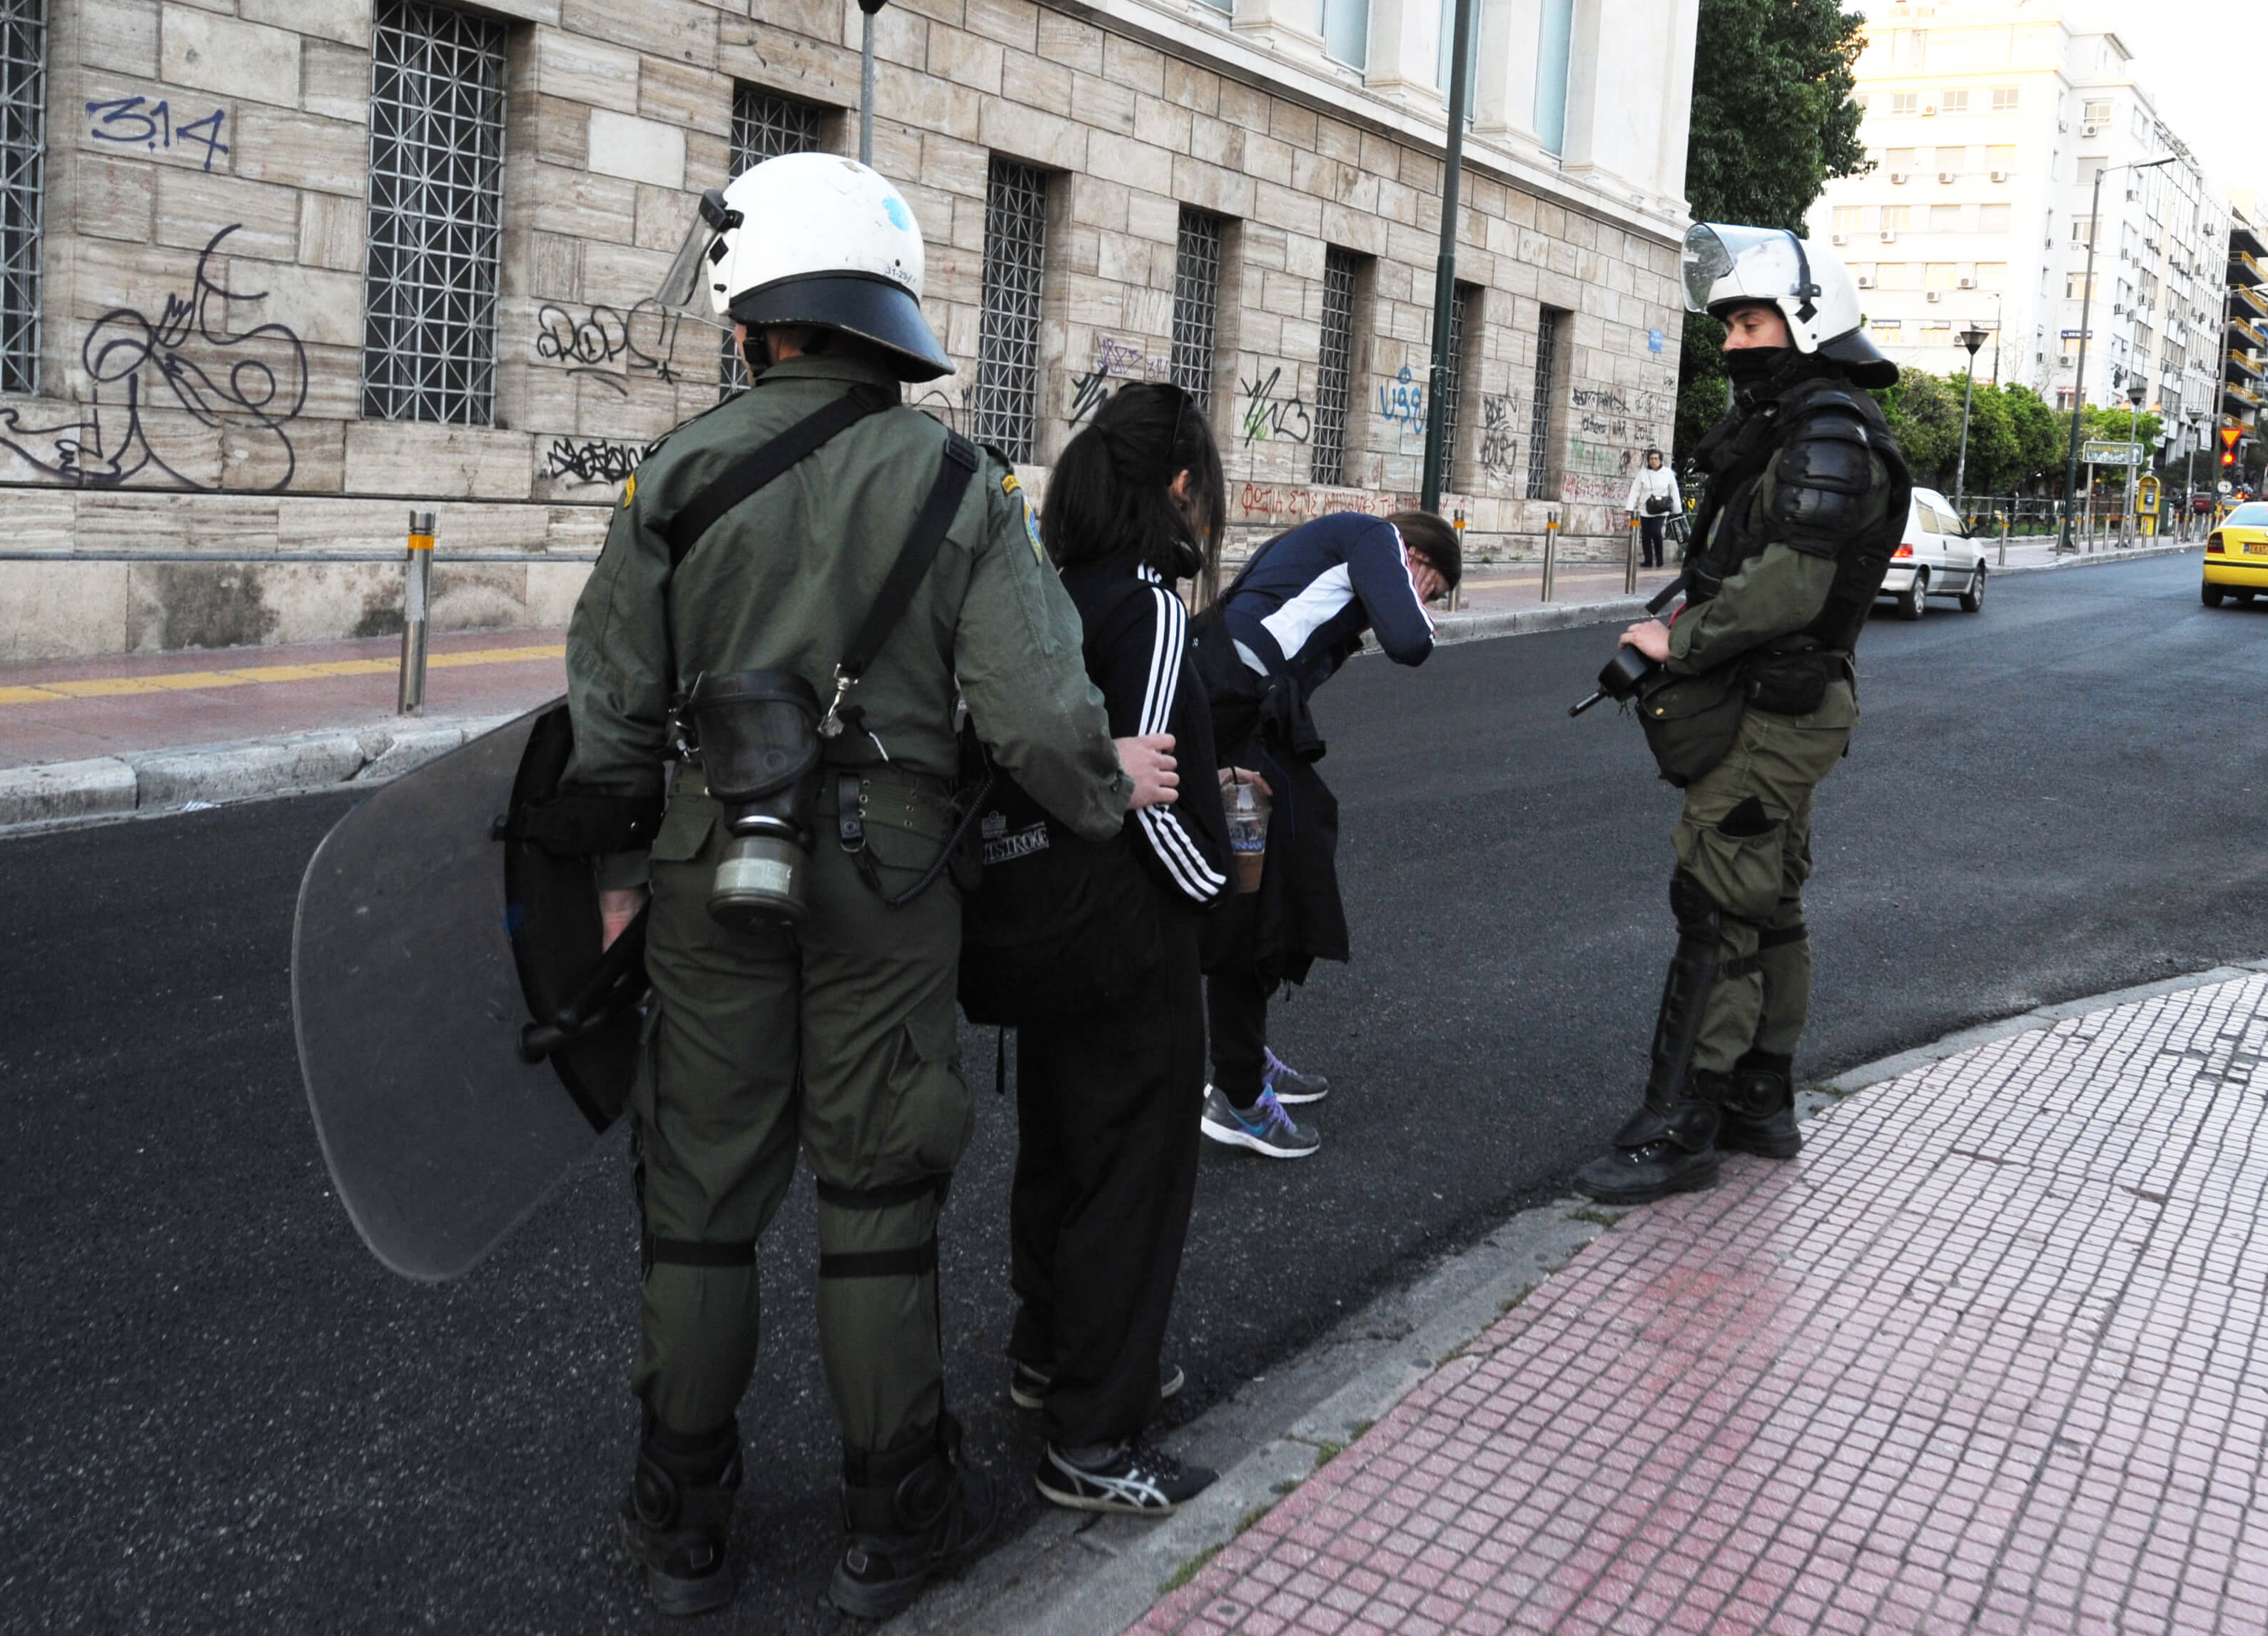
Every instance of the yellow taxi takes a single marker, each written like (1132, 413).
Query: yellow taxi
(2236, 555)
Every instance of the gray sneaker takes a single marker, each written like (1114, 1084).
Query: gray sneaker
(1265, 1127)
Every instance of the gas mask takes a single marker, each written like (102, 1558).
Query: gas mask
(758, 733)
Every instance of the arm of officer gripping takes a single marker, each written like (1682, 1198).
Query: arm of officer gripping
(1380, 576)
(1017, 655)
(618, 675)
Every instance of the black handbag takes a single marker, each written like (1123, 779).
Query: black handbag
(1054, 926)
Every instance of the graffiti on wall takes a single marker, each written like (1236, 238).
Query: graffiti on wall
(132, 121)
(592, 460)
(191, 358)
(1130, 360)
(592, 340)
(1271, 502)
(1270, 415)
(1499, 448)
(1607, 428)
(1087, 393)
(1402, 402)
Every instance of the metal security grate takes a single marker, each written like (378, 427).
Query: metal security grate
(763, 127)
(1197, 304)
(1539, 410)
(23, 154)
(436, 215)
(1333, 369)
(1005, 409)
(1453, 382)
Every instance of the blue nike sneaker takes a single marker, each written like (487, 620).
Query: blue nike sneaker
(1290, 1085)
(1265, 1127)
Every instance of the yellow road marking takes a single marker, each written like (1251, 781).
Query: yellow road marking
(183, 681)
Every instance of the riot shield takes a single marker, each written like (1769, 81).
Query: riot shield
(434, 953)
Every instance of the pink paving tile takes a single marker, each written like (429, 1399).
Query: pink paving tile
(1982, 1358)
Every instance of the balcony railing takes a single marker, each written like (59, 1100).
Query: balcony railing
(2242, 269)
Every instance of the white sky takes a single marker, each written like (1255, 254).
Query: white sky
(2184, 52)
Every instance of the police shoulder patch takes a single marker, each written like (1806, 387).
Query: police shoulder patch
(1032, 526)
(630, 490)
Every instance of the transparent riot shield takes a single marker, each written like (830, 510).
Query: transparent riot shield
(431, 946)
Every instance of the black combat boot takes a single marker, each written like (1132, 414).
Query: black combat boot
(913, 1512)
(1668, 1144)
(1658, 1152)
(674, 1520)
(1760, 1109)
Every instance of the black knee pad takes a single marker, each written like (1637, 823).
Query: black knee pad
(1697, 913)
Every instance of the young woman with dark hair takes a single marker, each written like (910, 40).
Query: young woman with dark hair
(1107, 1161)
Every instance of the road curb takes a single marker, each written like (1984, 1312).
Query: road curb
(153, 783)
(1077, 1575)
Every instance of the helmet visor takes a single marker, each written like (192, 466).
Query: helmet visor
(693, 282)
(1706, 261)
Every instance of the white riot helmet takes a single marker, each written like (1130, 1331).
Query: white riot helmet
(811, 239)
(1726, 267)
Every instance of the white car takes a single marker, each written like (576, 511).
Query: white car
(1936, 558)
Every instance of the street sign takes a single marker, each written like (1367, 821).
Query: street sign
(2229, 435)
(2102, 452)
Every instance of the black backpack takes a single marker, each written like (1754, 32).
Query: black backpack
(1054, 927)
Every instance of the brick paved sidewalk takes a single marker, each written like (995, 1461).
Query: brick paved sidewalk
(1988, 1356)
(71, 709)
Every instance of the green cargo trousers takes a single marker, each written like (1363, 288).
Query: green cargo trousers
(838, 1034)
(1763, 992)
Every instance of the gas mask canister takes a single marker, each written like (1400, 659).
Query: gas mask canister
(758, 731)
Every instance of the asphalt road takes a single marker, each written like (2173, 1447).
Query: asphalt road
(224, 1415)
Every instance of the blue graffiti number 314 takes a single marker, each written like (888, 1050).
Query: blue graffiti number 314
(130, 119)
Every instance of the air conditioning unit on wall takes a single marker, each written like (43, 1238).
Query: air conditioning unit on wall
(1937, 295)
(1898, 179)
(1969, 283)
(1890, 235)
(1841, 239)
(2000, 176)
(1946, 176)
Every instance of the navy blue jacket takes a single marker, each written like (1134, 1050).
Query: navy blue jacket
(1302, 604)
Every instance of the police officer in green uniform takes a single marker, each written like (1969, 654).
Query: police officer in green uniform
(1757, 696)
(833, 1033)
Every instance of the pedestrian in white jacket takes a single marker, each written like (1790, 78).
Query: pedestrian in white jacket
(1653, 500)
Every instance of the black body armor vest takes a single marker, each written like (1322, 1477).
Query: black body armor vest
(1820, 432)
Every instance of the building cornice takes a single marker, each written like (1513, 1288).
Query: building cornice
(1186, 29)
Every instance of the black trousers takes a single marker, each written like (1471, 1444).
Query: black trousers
(1236, 1004)
(1106, 1168)
(1649, 539)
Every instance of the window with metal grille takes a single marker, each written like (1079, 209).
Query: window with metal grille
(763, 127)
(1334, 368)
(23, 153)
(1004, 411)
(1539, 409)
(1197, 304)
(1453, 382)
(436, 215)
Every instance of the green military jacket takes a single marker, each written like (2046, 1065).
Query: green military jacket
(783, 581)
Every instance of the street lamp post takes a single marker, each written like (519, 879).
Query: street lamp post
(1445, 272)
(2087, 308)
(2137, 389)
(1972, 338)
(866, 9)
(2196, 418)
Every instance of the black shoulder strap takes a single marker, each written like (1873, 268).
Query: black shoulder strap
(744, 477)
(890, 603)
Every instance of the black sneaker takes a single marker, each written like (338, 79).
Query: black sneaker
(1027, 1387)
(1292, 1086)
(1139, 1478)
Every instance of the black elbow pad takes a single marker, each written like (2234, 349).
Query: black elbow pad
(1820, 484)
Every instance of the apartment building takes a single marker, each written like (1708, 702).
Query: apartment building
(2244, 387)
(1987, 124)
(271, 271)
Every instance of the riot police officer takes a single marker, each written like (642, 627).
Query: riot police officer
(1757, 696)
(831, 1025)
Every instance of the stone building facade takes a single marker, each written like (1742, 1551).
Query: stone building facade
(273, 271)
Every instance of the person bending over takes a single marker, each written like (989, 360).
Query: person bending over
(1298, 611)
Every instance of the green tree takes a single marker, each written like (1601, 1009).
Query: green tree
(2040, 432)
(1924, 417)
(1772, 120)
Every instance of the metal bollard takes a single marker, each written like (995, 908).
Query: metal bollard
(417, 587)
(1455, 597)
(1630, 563)
(1551, 553)
(2004, 539)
